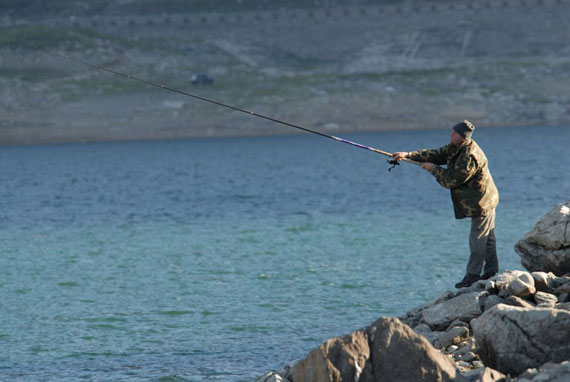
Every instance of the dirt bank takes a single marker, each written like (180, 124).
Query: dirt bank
(402, 65)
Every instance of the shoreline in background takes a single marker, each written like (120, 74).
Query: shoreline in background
(33, 140)
(333, 68)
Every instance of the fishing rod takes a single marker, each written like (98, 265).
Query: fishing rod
(393, 162)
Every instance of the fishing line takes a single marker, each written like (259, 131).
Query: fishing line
(391, 161)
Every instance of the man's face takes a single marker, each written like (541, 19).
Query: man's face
(455, 138)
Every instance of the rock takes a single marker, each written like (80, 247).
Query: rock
(543, 281)
(275, 378)
(463, 365)
(558, 281)
(467, 348)
(543, 298)
(468, 357)
(463, 307)
(563, 298)
(478, 364)
(547, 246)
(422, 328)
(528, 374)
(491, 375)
(549, 372)
(564, 288)
(487, 285)
(491, 301)
(515, 283)
(517, 301)
(338, 359)
(565, 306)
(271, 377)
(551, 230)
(432, 337)
(457, 323)
(418, 310)
(473, 375)
(399, 354)
(555, 372)
(453, 336)
(513, 339)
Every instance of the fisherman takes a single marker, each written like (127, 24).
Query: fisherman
(473, 193)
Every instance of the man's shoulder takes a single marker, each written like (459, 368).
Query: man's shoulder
(474, 150)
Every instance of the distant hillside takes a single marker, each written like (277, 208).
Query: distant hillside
(361, 66)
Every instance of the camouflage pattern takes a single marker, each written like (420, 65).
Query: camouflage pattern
(467, 175)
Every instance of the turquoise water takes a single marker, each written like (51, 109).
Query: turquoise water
(220, 259)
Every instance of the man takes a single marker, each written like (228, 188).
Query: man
(473, 193)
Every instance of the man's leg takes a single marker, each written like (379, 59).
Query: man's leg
(482, 244)
(491, 261)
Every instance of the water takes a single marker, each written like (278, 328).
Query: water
(220, 259)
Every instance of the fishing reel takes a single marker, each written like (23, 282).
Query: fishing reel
(394, 163)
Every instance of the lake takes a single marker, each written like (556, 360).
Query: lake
(221, 259)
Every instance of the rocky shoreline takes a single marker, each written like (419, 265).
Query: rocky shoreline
(514, 326)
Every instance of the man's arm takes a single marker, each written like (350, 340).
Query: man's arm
(457, 175)
(436, 156)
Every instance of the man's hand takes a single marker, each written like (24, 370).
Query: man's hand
(400, 155)
(427, 166)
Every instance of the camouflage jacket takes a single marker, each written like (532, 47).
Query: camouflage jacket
(467, 175)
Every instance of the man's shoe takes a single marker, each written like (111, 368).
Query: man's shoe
(488, 275)
(467, 280)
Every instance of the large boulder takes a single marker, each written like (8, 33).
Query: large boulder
(547, 246)
(388, 350)
(513, 339)
(338, 359)
(397, 353)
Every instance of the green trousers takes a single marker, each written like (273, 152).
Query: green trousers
(483, 245)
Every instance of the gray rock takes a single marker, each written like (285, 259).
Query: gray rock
(543, 298)
(564, 288)
(491, 375)
(551, 230)
(563, 298)
(457, 323)
(491, 301)
(547, 246)
(478, 364)
(422, 328)
(432, 337)
(441, 298)
(517, 301)
(565, 306)
(463, 365)
(275, 378)
(464, 307)
(512, 339)
(399, 354)
(271, 377)
(515, 283)
(468, 357)
(469, 347)
(473, 375)
(555, 372)
(453, 336)
(543, 281)
(558, 281)
(549, 372)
